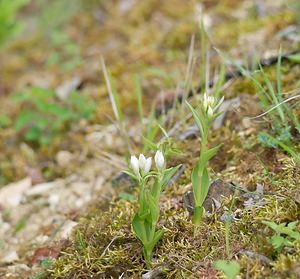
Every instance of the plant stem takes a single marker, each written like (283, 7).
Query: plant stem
(198, 211)
(198, 214)
(227, 239)
(148, 257)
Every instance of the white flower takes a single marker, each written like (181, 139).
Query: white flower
(134, 163)
(144, 164)
(147, 166)
(159, 159)
(142, 161)
(208, 101)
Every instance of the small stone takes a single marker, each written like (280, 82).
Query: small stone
(217, 191)
(44, 188)
(154, 273)
(66, 229)
(35, 174)
(11, 194)
(10, 257)
(122, 181)
(53, 200)
(64, 90)
(63, 158)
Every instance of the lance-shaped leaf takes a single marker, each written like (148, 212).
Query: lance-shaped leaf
(157, 236)
(211, 152)
(144, 213)
(131, 175)
(168, 173)
(197, 118)
(154, 209)
(138, 228)
(204, 186)
(196, 184)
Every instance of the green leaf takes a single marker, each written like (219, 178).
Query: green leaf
(168, 173)
(157, 236)
(196, 118)
(293, 225)
(139, 229)
(294, 58)
(278, 242)
(271, 224)
(153, 208)
(126, 196)
(33, 134)
(230, 268)
(196, 184)
(25, 118)
(204, 186)
(131, 175)
(211, 152)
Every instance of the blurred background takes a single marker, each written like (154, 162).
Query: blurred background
(56, 120)
(52, 91)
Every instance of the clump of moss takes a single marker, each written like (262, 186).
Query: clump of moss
(104, 246)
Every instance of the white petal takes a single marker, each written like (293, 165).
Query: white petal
(159, 159)
(134, 163)
(211, 101)
(147, 165)
(210, 111)
(142, 161)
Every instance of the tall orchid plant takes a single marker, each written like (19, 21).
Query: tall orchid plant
(204, 116)
(151, 184)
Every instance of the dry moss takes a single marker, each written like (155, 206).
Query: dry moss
(104, 246)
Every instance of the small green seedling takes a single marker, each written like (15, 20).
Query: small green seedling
(285, 235)
(204, 116)
(231, 269)
(44, 117)
(151, 184)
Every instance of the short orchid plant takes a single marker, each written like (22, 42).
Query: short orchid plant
(204, 116)
(151, 184)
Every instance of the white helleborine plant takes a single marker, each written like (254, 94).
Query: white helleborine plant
(204, 116)
(151, 184)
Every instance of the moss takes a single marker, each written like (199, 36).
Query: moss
(110, 248)
(228, 34)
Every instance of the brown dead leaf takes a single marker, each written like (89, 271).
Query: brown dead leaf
(44, 253)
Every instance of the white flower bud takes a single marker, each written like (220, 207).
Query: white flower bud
(159, 159)
(210, 111)
(142, 161)
(147, 166)
(208, 101)
(134, 163)
(211, 100)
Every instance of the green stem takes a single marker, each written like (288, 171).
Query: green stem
(227, 240)
(147, 257)
(198, 211)
(198, 214)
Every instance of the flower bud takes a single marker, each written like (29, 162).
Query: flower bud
(142, 161)
(147, 166)
(159, 159)
(210, 111)
(134, 163)
(208, 101)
